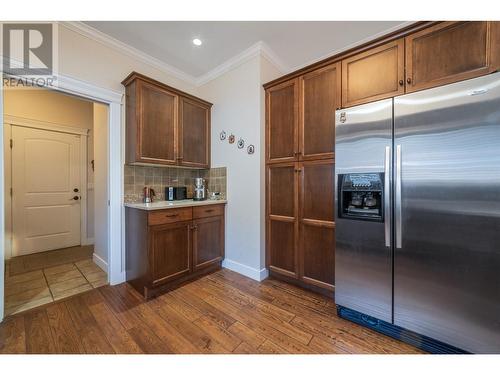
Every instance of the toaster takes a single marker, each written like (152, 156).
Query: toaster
(175, 193)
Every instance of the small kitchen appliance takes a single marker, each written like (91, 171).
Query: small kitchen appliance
(148, 194)
(199, 189)
(175, 193)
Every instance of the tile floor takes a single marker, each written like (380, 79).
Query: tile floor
(31, 289)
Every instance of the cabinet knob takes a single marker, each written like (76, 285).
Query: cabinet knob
(401, 82)
(408, 80)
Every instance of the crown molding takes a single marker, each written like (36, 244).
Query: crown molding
(353, 45)
(235, 61)
(107, 40)
(259, 48)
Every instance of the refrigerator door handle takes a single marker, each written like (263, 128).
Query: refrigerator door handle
(387, 196)
(397, 199)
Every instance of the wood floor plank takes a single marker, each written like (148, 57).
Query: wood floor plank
(268, 347)
(216, 314)
(269, 331)
(226, 338)
(144, 314)
(63, 330)
(244, 348)
(13, 335)
(261, 315)
(92, 338)
(183, 308)
(224, 312)
(246, 334)
(259, 304)
(113, 330)
(38, 336)
(184, 327)
(148, 341)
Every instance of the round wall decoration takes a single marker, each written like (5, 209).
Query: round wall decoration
(231, 138)
(222, 135)
(241, 143)
(250, 149)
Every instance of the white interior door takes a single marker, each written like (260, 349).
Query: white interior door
(45, 190)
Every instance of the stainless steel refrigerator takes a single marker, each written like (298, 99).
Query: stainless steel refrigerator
(418, 216)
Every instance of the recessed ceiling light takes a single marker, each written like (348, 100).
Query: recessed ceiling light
(197, 42)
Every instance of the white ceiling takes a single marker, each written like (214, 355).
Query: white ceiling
(295, 44)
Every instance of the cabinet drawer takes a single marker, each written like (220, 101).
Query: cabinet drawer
(207, 211)
(171, 215)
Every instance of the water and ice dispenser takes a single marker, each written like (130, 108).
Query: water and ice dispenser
(361, 196)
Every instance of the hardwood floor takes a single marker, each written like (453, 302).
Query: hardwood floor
(220, 313)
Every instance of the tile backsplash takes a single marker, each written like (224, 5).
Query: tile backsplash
(138, 176)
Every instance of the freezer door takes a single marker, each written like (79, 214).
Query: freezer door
(363, 256)
(447, 213)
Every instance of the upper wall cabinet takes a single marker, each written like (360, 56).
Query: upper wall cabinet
(165, 126)
(449, 52)
(282, 120)
(319, 98)
(194, 133)
(374, 74)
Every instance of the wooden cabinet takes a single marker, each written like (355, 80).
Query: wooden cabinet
(208, 241)
(374, 74)
(282, 122)
(300, 130)
(167, 247)
(194, 134)
(300, 222)
(316, 223)
(320, 93)
(165, 126)
(282, 218)
(170, 251)
(446, 53)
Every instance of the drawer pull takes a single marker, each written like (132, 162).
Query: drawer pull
(172, 215)
(211, 210)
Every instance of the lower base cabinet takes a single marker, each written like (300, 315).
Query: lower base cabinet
(165, 248)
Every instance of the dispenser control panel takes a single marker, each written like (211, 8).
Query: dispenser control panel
(361, 196)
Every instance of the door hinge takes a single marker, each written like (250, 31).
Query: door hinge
(11, 143)
(11, 192)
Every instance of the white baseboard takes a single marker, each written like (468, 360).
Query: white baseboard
(245, 270)
(101, 263)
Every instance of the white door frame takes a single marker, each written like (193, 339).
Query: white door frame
(10, 121)
(116, 253)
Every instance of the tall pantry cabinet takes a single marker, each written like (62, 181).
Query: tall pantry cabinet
(300, 166)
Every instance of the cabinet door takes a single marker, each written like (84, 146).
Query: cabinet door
(194, 134)
(170, 249)
(282, 122)
(316, 223)
(446, 53)
(374, 74)
(208, 241)
(495, 45)
(157, 125)
(282, 224)
(319, 98)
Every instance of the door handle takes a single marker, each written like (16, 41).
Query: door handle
(397, 199)
(75, 198)
(387, 196)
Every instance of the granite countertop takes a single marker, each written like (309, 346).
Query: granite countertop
(161, 205)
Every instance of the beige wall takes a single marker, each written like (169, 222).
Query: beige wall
(238, 109)
(48, 106)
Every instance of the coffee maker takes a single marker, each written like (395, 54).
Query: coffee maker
(199, 189)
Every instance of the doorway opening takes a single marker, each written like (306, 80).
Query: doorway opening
(56, 196)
